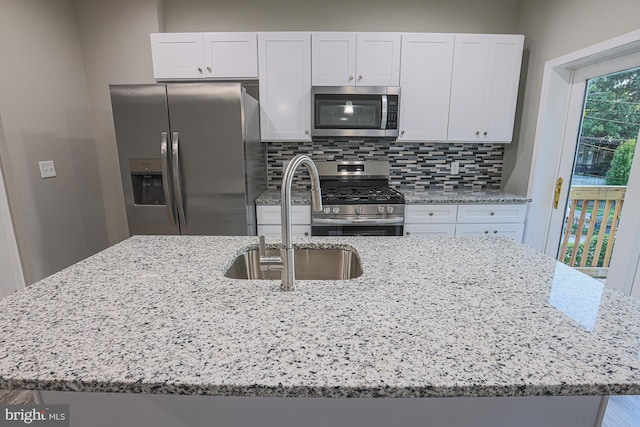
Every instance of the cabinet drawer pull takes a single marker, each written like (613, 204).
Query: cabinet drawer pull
(492, 213)
(430, 213)
(486, 231)
(408, 233)
(495, 231)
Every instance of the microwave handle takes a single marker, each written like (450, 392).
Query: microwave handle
(383, 119)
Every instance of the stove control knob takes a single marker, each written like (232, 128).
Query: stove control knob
(359, 210)
(336, 210)
(381, 210)
(389, 209)
(326, 210)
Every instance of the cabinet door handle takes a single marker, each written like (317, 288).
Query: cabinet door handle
(495, 231)
(200, 70)
(477, 132)
(350, 78)
(486, 231)
(306, 233)
(306, 132)
(408, 233)
(209, 69)
(492, 213)
(485, 133)
(359, 77)
(430, 213)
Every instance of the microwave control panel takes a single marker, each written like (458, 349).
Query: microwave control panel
(392, 111)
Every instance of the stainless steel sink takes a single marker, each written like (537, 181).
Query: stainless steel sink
(310, 264)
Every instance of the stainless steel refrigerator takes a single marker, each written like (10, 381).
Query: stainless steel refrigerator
(190, 156)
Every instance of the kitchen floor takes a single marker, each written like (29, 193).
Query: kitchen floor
(16, 397)
(622, 411)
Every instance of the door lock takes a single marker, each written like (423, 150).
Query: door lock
(556, 195)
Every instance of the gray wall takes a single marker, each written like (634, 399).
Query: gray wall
(114, 37)
(554, 28)
(45, 111)
(469, 16)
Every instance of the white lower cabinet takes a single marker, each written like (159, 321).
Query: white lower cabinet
(482, 220)
(268, 217)
(491, 230)
(429, 229)
(430, 220)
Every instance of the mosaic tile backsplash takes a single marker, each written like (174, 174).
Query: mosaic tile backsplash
(416, 166)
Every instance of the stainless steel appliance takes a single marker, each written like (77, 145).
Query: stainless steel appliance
(190, 156)
(355, 111)
(357, 200)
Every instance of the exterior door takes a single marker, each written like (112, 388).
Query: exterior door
(592, 197)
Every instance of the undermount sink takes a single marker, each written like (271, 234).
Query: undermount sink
(310, 264)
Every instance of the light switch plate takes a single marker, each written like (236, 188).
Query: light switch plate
(47, 169)
(455, 168)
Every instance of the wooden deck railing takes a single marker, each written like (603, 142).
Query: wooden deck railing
(590, 227)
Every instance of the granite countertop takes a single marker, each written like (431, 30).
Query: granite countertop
(302, 197)
(429, 317)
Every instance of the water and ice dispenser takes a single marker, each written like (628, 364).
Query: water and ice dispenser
(146, 181)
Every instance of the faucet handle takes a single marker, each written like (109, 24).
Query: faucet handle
(263, 250)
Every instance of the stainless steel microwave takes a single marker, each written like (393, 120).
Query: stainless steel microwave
(355, 111)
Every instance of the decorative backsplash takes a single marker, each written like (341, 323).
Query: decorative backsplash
(416, 165)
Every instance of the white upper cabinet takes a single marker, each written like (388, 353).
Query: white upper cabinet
(356, 59)
(231, 55)
(285, 86)
(177, 55)
(484, 87)
(425, 79)
(204, 56)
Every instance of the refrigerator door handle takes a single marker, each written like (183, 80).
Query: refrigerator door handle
(166, 183)
(177, 179)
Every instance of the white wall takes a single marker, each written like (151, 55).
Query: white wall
(553, 28)
(45, 110)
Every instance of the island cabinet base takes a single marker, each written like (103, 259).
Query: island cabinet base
(161, 410)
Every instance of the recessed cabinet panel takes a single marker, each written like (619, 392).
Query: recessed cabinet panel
(430, 214)
(425, 78)
(484, 86)
(491, 213)
(334, 59)
(285, 86)
(378, 59)
(430, 230)
(231, 55)
(177, 55)
(356, 59)
(271, 214)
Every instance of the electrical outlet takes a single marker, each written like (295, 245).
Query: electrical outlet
(47, 169)
(455, 168)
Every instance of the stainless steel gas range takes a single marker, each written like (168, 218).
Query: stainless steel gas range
(357, 200)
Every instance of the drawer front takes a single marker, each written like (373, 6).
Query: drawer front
(515, 231)
(430, 214)
(491, 213)
(274, 232)
(429, 229)
(271, 214)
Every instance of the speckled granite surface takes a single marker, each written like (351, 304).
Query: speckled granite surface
(428, 317)
(272, 197)
(461, 197)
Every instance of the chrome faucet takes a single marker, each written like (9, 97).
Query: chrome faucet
(286, 261)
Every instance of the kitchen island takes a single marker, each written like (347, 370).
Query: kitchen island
(151, 324)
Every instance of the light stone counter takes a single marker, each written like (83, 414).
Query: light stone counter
(429, 317)
(300, 197)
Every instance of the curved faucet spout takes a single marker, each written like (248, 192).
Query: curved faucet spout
(286, 253)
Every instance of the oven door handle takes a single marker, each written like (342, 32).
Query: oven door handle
(358, 221)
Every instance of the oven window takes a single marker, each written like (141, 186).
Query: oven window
(348, 111)
(355, 230)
